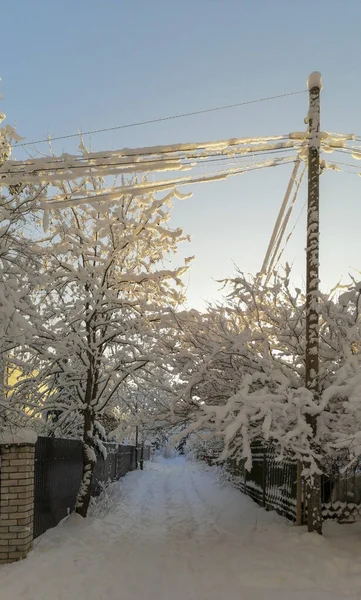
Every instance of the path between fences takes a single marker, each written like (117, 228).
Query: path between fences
(176, 531)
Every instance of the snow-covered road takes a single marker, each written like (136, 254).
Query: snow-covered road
(173, 532)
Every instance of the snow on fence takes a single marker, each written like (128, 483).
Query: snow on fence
(341, 495)
(58, 470)
(272, 483)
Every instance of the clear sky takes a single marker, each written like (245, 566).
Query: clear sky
(89, 64)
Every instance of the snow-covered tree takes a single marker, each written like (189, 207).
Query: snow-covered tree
(18, 267)
(241, 373)
(101, 304)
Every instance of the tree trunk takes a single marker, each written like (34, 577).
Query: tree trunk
(141, 462)
(136, 446)
(3, 384)
(89, 460)
(299, 504)
(314, 508)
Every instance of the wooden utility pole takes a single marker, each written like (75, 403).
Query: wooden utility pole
(312, 281)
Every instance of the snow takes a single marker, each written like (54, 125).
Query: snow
(314, 80)
(175, 532)
(62, 200)
(100, 429)
(18, 436)
(178, 157)
(90, 452)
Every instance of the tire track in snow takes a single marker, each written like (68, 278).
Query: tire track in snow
(208, 507)
(214, 514)
(135, 515)
(207, 519)
(187, 512)
(179, 511)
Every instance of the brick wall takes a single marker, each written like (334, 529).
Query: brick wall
(16, 501)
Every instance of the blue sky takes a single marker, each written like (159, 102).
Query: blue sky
(86, 64)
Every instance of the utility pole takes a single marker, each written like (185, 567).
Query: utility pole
(312, 281)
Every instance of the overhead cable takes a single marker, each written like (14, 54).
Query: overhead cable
(161, 119)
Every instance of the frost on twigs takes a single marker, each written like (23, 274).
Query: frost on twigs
(19, 269)
(17, 435)
(100, 312)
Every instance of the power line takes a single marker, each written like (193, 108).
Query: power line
(338, 162)
(163, 185)
(283, 220)
(329, 168)
(161, 119)
(276, 259)
(348, 150)
(278, 225)
(220, 159)
(134, 164)
(90, 164)
(162, 150)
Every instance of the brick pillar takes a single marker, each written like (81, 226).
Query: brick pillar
(16, 501)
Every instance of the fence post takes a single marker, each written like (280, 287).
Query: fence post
(17, 451)
(264, 476)
(299, 494)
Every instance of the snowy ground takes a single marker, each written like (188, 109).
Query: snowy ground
(173, 532)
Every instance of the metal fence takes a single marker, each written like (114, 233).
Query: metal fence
(272, 483)
(118, 462)
(58, 471)
(341, 495)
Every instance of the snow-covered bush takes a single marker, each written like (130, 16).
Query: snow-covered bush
(204, 446)
(241, 370)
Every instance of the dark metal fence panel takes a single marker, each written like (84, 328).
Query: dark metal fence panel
(341, 494)
(125, 460)
(118, 462)
(58, 471)
(281, 484)
(271, 483)
(237, 471)
(254, 482)
(104, 469)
